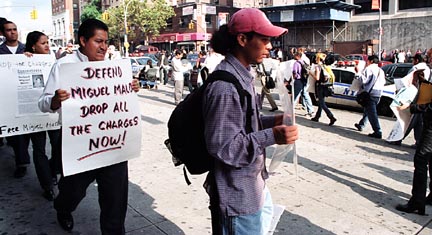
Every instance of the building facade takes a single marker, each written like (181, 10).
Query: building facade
(406, 25)
(62, 19)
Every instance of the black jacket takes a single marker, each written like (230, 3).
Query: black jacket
(5, 50)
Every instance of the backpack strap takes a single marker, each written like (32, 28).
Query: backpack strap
(229, 77)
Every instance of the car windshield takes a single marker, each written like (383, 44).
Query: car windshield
(354, 57)
(192, 57)
(142, 61)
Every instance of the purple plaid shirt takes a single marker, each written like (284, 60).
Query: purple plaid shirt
(240, 170)
(297, 69)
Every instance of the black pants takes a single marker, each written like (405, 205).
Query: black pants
(422, 163)
(113, 195)
(55, 160)
(20, 145)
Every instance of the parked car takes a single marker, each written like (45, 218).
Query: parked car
(139, 63)
(153, 56)
(383, 62)
(192, 58)
(344, 96)
(396, 71)
(357, 57)
(147, 49)
(344, 62)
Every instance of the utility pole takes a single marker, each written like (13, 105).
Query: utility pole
(126, 43)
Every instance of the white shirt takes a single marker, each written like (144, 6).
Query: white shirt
(376, 73)
(426, 71)
(12, 49)
(53, 82)
(305, 59)
(212, 60)
(178, 69)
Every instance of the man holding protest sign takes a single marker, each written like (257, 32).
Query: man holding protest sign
(18, 142)
(112, 179)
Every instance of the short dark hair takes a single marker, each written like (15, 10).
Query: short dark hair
(299, 54)
(178, 52)
(420, 57)
(374, 59)
(223, 41)
(3, 23)
(2, 20)
(32, 39)
(88, 27)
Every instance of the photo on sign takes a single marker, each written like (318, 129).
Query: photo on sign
(38, 81)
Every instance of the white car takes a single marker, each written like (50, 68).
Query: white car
(343, 95)
(138, 63)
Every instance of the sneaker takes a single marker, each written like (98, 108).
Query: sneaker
(375, 135)
(359, 128)
(311, 114)
(315, 119)
(273, 109)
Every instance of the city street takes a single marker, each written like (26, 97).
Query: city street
(346, 183)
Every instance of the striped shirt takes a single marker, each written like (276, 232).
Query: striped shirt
(240, 170)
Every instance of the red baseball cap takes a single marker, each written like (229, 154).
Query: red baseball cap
(253, 20)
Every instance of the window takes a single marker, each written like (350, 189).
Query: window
(366, 6)
(184, 21)
(208, 21)
(400, 72)
(403, 4)
(346, 77)
(169, 23)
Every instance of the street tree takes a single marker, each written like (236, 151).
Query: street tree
(91, 11)
(149, 16)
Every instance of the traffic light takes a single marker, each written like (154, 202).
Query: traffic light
(33, 14)
(105, 16)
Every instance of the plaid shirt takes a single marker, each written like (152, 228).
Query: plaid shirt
(240, 170)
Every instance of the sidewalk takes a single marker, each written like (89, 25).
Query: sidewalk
(346, 183)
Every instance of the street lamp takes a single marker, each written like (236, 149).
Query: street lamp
(126, 43)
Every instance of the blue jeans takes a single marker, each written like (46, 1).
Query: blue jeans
(253, 224)
(300, 90)
(370, 114)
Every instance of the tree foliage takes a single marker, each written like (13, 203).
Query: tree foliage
(149, 16)
(91, 11)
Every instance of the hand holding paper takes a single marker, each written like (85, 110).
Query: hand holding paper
(285, 134)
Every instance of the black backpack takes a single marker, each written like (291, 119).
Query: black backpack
(186, 127)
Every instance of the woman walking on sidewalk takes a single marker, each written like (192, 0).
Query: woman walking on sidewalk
(319, 73)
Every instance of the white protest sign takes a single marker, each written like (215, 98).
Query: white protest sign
(22, 82)
(101, 119)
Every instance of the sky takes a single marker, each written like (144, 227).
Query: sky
(18, 11)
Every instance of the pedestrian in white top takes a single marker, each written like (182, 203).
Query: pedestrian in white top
(178, 70)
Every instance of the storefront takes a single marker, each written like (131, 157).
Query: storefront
(190, 41)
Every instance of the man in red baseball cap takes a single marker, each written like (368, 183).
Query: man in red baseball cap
(254, 20)
(240, 202)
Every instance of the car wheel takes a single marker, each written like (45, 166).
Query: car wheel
(383, 107)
